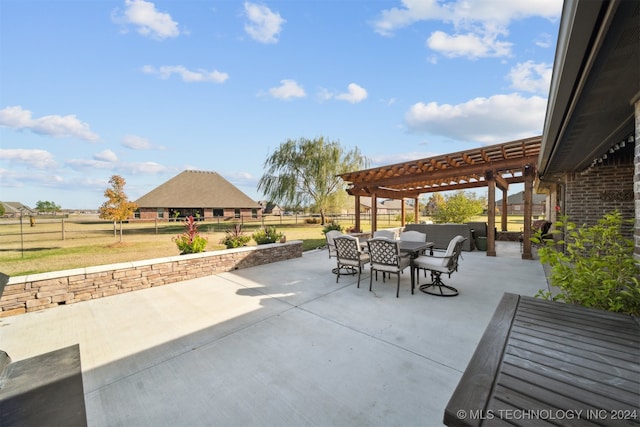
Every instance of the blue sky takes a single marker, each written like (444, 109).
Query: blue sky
(148, 89)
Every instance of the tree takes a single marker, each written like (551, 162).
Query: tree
(458, 207)
(2, 210)
(117, 207)
(306, 171)
(432, 204)
(47, 207)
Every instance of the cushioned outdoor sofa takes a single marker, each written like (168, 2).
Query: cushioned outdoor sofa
(441, 234)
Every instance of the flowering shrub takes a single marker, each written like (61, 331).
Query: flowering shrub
(235, 237)
(267, 235)
(333, 225)
(190, 242)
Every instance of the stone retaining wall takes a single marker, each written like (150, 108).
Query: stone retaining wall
(23, 294)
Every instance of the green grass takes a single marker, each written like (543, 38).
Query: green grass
(90, 242)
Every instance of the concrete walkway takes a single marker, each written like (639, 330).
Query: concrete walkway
(281, 344)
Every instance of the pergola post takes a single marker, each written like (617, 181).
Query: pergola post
(528, 210)
(491, 214)
(416, 210)
(504, 210)
(374, 213)
(356, 226)
(402, 213)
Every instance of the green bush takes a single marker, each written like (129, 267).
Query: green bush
(190, 242)
(235, 237)
(333, 225)
(267, 235)
(596, 269)
(409, 217)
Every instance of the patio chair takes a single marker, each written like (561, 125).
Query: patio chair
(350, 257)
(538, 225)
(413, 236)
(389, 234)
(447, 264)
(385, 257)
(330, 235)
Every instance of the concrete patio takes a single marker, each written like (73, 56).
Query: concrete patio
(281, 344)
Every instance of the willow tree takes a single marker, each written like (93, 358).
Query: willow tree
(117, 207)
(305, 171)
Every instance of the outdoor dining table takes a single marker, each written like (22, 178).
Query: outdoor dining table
(414, 249)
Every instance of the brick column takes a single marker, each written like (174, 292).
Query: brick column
(636, 179)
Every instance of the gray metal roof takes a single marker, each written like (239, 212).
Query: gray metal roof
(196, 189)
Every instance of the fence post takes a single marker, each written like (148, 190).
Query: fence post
(62, 222)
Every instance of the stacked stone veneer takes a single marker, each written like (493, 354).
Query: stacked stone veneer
(24, 294)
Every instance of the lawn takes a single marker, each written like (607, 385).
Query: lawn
(82, 241)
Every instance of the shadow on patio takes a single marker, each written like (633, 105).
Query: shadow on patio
(278, 344)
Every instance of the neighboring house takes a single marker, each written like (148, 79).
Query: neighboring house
(14, 210)
(590, 153)
(270, 208)
(515, 204)
(365, 206)
(201, 194)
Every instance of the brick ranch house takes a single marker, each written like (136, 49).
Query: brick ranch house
(515, 204)
(205, 195)
(589, 161)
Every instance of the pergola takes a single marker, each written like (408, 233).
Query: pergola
(494, 166)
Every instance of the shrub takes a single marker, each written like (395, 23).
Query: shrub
(333, 225)
(235, 237)
(409, 217)
(190, 242)
(267, 235)
(597, 268)
(312, 220)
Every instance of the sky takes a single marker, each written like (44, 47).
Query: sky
(148, 89)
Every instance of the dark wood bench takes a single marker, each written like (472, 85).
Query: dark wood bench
(44, 390)
(544, 362)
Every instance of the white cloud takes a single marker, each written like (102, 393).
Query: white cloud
(531, 77)
(149, 21)
(106, 156)
(57, 126)
(544, 40)
(84, 164)
(288, 89)
(143, 168)
(40, 159)
(264, 25)
(354, 94)
(200, 75)
(490, 120)
(136, 142)
(468, 45)
(476, 25)
(411, 12)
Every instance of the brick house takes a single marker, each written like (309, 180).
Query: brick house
(205, 195)
(515, 204)
(589, 161)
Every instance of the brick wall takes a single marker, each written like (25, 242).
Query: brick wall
(603, 189)
(24, 294)
(636, 179)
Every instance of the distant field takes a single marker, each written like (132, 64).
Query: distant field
(82, 241)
